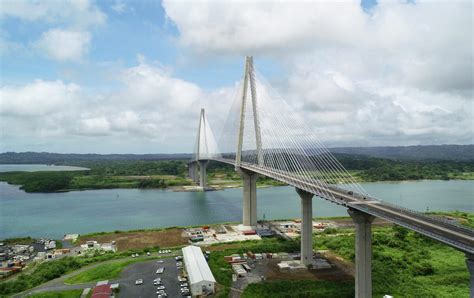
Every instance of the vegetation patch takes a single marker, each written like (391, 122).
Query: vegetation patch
(300, 288)
(62, 294)
(407, 264)
(102, 272)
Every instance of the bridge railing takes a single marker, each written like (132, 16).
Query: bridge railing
(460, 245)
(430, 217)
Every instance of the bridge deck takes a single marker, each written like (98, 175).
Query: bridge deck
(459, 237)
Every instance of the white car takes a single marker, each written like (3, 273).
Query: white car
(160, 270)
(160, 261)
(139, 282)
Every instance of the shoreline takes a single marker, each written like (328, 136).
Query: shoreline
(340, 219)
(195, 188)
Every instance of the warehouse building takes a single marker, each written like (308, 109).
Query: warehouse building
(201, 280)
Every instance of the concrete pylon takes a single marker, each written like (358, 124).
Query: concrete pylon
(470, 267)
(306, 226)
(363, 253)
(203, 173)
(249, 199)
(249, 79)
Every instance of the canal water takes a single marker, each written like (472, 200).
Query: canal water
(55, 214)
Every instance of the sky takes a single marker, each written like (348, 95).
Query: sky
(115, 76)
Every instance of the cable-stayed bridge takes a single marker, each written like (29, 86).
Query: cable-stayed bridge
(262, 136)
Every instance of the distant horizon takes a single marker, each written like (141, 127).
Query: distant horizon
(184, 153)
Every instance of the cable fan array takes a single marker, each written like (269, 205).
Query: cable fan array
(287, 145)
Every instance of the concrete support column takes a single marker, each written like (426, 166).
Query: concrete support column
(470, 267)
(192, 171)
(249, 200)
(306, 227)
(203, 173)
(363, 253)
(195, 173)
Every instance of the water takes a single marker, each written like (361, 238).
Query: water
(37, 168)
(55, 214)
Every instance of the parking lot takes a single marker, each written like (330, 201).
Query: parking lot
(147, 272)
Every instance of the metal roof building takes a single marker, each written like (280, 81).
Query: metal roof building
(201, 280)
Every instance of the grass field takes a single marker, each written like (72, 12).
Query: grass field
(102, 272)
(62, 294)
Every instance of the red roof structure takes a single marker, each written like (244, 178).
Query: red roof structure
(102, 291)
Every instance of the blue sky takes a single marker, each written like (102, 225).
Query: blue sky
(142, 28)
(81, 62)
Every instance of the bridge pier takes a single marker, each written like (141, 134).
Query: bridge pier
(306, 227)
(249, 200)
(470, 267)
(192, 171)
(203, 173)
(363, 253)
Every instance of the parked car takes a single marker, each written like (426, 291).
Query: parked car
(182, 278)
(161, 288)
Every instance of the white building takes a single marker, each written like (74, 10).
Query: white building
(201, 280)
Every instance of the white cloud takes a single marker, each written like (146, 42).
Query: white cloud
(401, 74)
(265, 26)
(38, 98)
(119, 7)
(70, 35)
(98, 126)
(79, 13)
(151, 106)
(64, 45)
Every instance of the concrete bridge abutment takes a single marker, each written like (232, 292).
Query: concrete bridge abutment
(249, 199)
(306, 227)
(363, 253)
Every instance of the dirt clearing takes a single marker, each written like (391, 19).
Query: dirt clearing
(141, 240)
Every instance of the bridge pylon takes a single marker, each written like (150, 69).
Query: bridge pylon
(249, 80)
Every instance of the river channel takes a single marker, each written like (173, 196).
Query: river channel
(55, 214)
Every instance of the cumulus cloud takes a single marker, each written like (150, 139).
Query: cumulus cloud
(150, 106)
(399, 74)
(64, 45)
(38, 98)
(72, 20)
(119, 7)
(80, 13)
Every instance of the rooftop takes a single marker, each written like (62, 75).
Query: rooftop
(196, 265)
